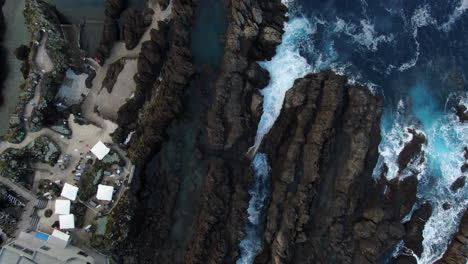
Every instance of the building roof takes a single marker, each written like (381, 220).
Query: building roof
(61, 235)
(28, 248)
(69, 191)
(105, 192)
(67, 221)
(62, 207)
(100, 150)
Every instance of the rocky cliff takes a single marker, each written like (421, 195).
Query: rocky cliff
(110, 32)
(188, 200)
(457, 252)
(196, 126)
(324, 205)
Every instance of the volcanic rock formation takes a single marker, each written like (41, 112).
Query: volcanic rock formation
(110, 33)
(457, 251)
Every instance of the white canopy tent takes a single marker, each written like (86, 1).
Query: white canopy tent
(105, 192)
(100, 150)
(67, 221)
(62, 207)
(69, 191)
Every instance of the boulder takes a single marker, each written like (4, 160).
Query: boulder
(462, 113)
(458, 183)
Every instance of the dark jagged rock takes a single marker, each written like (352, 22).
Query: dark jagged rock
(457, 251)
(230, 130)
(411, 149)
(114, 8)
(112, 73)
(134, 25)
(150, 62)
(458, 183)
(403, 194)
(203, 115)
(414, 228)
(164, 4)
(110, 32)
(324, 206)
(462, 113)
(22, 54)
(90, 78)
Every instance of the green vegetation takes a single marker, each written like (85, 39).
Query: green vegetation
(114, 227)
(47, 186)
(40, 19)
(90, 180)
(48, 213)
(79, 210)
(15, 163)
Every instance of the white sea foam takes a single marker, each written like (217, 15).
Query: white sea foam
(393, 142)
(456, 14)
(446, 137)
(284, 68)
(364, 34)
(420, 18)
(252, 243)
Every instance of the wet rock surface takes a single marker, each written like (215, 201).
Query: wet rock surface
(457, 251)
(150, 62)
(458, 183)
(134, 25)
(324, 206)
(462, 113)
(193, 127)
(111, 75)
(203, 116)
(411, 150)
(414, 228)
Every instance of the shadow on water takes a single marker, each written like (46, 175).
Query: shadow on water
(210, 25)
(88, 10)
(15, 34)
(180, 155)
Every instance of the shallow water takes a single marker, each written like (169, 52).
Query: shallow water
(15, 35)
(210, 26)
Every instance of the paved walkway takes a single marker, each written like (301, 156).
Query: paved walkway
(43, 64)
(109, 104)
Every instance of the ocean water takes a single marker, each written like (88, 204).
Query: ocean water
(412, 53)
(209, 26)
(15, 35)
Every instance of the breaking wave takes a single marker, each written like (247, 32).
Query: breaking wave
(251, 245)
(284, 68)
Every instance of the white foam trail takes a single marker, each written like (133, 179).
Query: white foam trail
(393, 141)
(459, 10)
(445, 150)
(421, 18)
(364, 34)
(251, 245)
(446, 137)
(284, 68)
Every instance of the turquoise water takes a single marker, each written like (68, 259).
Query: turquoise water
(412, 53)
(15, 35)
(210, 26)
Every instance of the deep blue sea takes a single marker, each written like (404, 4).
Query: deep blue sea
(412, 53)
